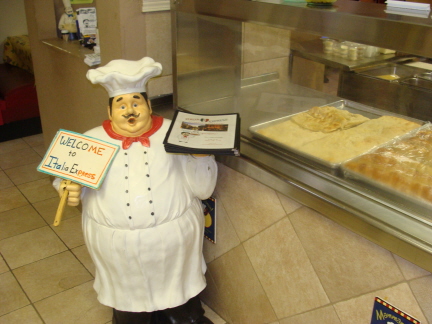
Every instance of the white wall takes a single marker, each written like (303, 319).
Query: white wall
(12, 21)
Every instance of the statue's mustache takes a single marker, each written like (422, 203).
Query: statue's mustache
(131, 115)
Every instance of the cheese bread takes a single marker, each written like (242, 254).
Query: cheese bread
(327, 119)
(346, 144)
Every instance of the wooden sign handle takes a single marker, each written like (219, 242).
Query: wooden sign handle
(61, 206)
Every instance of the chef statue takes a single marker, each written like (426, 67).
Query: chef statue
(144, 226)
(67, 22)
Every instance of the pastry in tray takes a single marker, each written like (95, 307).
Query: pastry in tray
(343, 145)
(327, 119)
(313, 124)
(290, 134)
(405, 165)
(339, 136)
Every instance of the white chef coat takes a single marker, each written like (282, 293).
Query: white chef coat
(144, 226)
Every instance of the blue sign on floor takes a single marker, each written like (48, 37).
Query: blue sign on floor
(385, 313)
(209, 206)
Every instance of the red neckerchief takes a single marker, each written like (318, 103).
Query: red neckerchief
(127, 141)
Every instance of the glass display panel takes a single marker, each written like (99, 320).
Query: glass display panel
(272, 76)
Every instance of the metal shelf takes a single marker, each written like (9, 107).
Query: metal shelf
(362, 22)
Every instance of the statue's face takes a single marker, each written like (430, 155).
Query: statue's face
(130, 115)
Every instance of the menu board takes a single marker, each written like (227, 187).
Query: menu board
(79, 158)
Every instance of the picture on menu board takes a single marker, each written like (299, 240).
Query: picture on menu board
(204, 134)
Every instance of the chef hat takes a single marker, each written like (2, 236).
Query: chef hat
(122, 76)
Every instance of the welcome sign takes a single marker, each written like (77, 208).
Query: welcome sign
(384, 313)
(79, 158)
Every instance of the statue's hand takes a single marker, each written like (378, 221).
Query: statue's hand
(74, 189)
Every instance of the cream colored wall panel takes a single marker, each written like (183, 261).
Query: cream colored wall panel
(276, 65)
(158, 39)
(264, 42)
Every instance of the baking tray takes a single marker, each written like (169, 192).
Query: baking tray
(389, 69)
(426, 76)
(418, 83)
(371, 183)
(350, 106)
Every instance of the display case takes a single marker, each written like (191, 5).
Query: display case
(267, 61)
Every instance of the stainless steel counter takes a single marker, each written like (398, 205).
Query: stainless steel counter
(208, 79)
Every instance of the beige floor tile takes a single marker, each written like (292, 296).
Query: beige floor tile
(34, 140)
(347, 264)
(3, 266)
(14, 159)
(81, 252)
(23, 315)
(359, 310)
(410, 270)
(240, 291)
(422, 289)
(226, 237)
(12, 296)
(286, 273)
(38, 190)
(76, 305)
(325, 315)
(13, 145)
(288, 204)
(48, 208)
(210, 296)
(5, 182)
(25, 173)
(70, 232)
(211, 315)
(19, 220)
(51, 276)
(40, 150)
(29, 247)
(250, 205)
(11, 198)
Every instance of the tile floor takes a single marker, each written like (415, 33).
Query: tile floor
(46, 274)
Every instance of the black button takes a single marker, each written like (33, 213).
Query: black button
(126, 165)
(149, 189)
(130, 217)
(151, 201)
(127, 204)
(146, 163)
(145, 152)
(125, 153)
(152, 214)
(126, 177)
(127, 191)
(147, 175)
